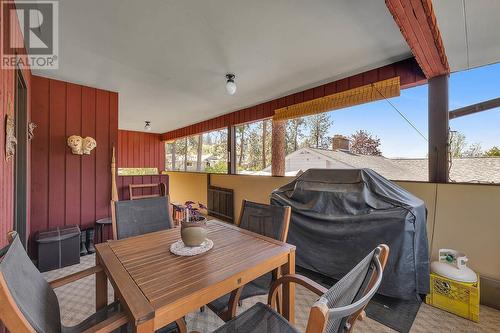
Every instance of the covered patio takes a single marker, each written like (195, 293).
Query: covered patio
(162, 158)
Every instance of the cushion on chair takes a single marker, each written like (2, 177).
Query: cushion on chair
(259, 318)
(138, 217)
(31, 292)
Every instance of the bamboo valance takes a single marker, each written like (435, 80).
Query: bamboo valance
(364, 94)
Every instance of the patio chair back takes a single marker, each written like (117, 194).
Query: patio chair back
(349, 296)
(138, 217)
(23, 289)
(267, 220)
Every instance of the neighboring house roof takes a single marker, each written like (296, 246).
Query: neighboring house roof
(466, 169)
(382, 165)
(473, 169)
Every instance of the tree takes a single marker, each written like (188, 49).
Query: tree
(364, 143)
(264, 137)
(254, 151)
(293, 134)
(474, 150)
(318, 126)
(219, 167)
(241, 143)
(173, 148)
(493, 152)
(458, 144)
(199, 152)
(460, 148)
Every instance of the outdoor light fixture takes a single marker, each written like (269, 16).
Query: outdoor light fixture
(147, 127)
(230, 85)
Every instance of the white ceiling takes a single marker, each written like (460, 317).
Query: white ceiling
(167, 58)
(477, 45)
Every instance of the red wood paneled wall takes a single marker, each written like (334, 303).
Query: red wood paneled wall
(71, 189)
(140, 150)
(7, 89)
(408, 70)
(122, 183)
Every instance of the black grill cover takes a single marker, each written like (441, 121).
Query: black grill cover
(340, 215)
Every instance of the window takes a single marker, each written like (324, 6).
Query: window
(373, 135)
(474, 139)
(199, 153)
(137, 171)
(253, 148)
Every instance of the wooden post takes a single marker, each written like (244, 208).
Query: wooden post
(199, 152)
(114, 190)
(231, 150)
(438, 129)
(278, 148)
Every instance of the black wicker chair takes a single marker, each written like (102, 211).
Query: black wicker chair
(337, 309)
(137, 217)
(266, 220)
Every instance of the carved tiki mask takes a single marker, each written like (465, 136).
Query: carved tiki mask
(88, 145)
(75, 142)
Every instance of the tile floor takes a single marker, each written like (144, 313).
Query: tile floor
(77, 302)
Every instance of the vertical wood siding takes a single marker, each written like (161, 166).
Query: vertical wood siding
(140, 150)
(71, 189)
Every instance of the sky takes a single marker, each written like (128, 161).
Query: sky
(399, 139)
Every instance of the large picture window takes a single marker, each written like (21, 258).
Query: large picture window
(205, 152)
(253, 148)
(475, 139)
(388, 136)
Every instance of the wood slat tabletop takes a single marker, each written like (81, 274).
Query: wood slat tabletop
(173, 285)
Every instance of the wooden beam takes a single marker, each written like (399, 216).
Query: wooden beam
(475, 108)
(231, 150)
(417, 22)
(438, 129)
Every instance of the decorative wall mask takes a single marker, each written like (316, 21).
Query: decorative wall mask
(10, 137)
(80, 146)
(31, 130)
(88, 145)
(75, 142)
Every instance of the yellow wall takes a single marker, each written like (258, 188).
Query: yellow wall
(184, 186)
(253, 188)
(467, 217)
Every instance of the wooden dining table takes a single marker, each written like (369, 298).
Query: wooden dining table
(157, 287)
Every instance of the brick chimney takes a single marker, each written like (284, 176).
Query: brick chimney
(340, 142)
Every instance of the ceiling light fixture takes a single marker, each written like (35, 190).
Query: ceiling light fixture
(230, 85)
(147, 127)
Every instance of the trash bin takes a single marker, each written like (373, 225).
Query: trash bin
(58, 248)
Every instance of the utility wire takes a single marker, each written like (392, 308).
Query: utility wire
(401, 114)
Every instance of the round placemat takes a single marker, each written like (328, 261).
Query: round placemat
(180, 249)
